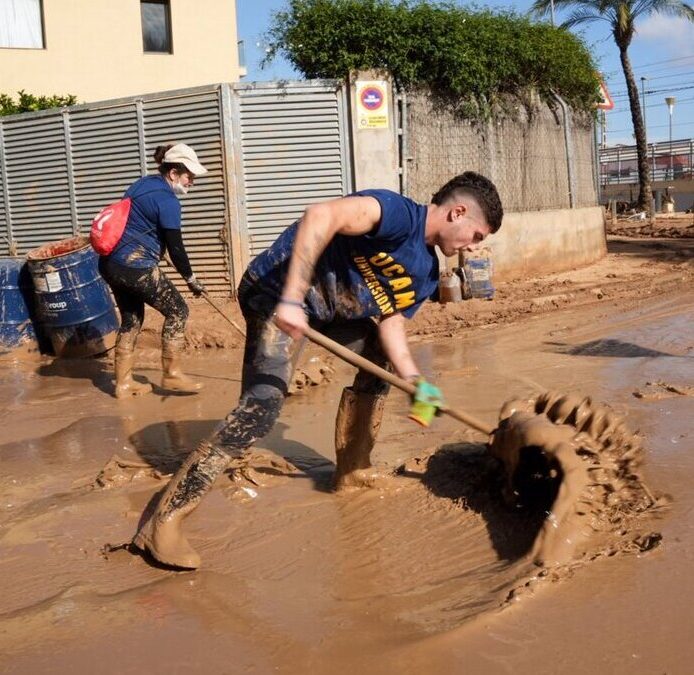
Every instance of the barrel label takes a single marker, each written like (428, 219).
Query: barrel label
(480, 275)
(53, 282)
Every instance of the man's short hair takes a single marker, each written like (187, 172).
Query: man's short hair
(481, 189)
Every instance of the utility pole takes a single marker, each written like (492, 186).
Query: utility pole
(551, 4)
(604, 129)
(670, 100)
(643, 107)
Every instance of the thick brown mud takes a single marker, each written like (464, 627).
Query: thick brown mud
(432, 570)
(676, 226)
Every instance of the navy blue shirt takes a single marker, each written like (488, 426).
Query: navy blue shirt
(387, 271)
(154, 208)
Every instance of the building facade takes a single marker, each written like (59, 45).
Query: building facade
(104, 49)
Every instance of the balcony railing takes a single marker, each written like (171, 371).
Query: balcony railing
(667, 162)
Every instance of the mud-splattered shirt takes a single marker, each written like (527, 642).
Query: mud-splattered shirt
(154, 208)
(387, 271)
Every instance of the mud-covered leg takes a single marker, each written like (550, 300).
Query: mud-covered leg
(132, 311)
(168, 301)
(360, 412)
(161, 535)
(267, 367)
(356, 429)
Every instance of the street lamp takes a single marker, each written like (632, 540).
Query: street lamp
(670, 100)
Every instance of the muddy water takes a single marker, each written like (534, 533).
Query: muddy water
(408, 578)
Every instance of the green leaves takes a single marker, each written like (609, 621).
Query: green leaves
(30, 103)
(467, 57)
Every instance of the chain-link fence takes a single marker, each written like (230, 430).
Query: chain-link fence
(533, 163)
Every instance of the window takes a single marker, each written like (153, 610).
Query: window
(156, 26)
(21, 24)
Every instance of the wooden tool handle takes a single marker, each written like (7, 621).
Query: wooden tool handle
(233, 323)
(360, 362)
(364, 364)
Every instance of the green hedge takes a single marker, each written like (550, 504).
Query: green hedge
(30, 103)
(473, 58)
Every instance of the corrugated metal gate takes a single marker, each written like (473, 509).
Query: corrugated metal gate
(270, 148)
(59, 168)
(35, 181)
(295, 152)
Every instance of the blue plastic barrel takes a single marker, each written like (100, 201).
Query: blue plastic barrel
(16, 297)
(72, 300)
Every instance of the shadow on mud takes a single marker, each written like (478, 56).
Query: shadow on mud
(165, 445)
(466, 474)
(675, 250)
(609, 348)
(99, 371)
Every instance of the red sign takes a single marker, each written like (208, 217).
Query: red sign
(372, 98)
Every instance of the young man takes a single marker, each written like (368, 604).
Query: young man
(354, 268)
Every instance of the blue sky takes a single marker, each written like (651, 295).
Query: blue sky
(663, 51)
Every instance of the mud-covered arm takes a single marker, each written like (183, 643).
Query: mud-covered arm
(391, 330)
(177, 253)
(351, 216)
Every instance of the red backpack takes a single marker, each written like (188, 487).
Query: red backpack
(108, 226)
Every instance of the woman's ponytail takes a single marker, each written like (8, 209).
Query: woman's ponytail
(160, 151)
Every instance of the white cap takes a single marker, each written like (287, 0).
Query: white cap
(184, 154)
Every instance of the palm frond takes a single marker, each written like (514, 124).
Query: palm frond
(584, 15)
(671, 7)
(541, 8)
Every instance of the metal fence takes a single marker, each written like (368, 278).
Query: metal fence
(667, 161)
(539, 159)
(59, 168)
(295, 151)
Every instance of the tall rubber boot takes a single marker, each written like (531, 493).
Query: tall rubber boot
(161, 535)
(357, 424)
(123, 365)
(173, 377)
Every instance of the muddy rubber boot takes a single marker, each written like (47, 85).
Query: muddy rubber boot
(161, 535)
(123, 366)
(357, 424)
(173, 377)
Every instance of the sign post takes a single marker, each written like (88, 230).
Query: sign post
(374, 144)
(606, 102)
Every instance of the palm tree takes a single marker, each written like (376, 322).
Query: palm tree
(622, 16)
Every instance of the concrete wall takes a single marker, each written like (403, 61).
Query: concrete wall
(541, 242)
(93, 49)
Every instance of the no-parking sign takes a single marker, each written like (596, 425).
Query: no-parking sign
(372, 104)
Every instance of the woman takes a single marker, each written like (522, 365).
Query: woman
(132, 269)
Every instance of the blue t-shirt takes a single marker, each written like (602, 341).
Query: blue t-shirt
(153, 209)
(389, 270)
